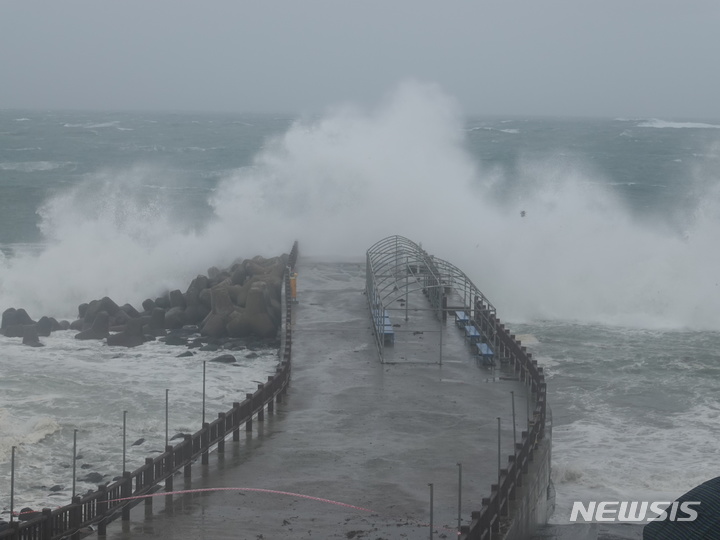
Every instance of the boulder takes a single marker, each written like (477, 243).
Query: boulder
(148, 305)
(239, 324)
(162, 302)
(175, 318)
(100, 328)
(15, 330)
(177, 300)
(132, 336)
(224, 359)
(9, 318)
(44, 326)
(30, 336)
(239, 275)
(120, 318)
(213, 272)
(175, 340)
(205, 298)
(256, 307)
(130, 311)
(77, 325)
(105, 304)
(21, 317)
(156, 324)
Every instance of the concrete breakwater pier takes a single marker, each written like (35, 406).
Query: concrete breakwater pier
(352, 448)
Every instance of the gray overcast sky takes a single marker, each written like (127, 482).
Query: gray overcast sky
(580, 58)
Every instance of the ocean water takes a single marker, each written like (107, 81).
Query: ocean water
(594, 239)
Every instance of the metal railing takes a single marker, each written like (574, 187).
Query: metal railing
(487, 521)
(114, 500)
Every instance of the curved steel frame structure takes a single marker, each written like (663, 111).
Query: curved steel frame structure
(397, 266)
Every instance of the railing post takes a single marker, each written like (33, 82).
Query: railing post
(205, 443)
(149, 480)
(75, 517)
(236, 421)
(102, 509)
(47, 532)
(125, 492)
(261, 412)
(271, 401)
(169, 467)
(188, 456)
(248, 423)
(278, 398)
(221, 432)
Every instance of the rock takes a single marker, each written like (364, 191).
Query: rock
(120, 318)
(175, 340)
(27, 513)
(256, 308)
(148, 305)
(213, 272)
(92, 478)
(15, 330)
(138, 442)
(64, 325)
(55, 324)
(57, 487)
(212, 347)
(23, 318)
(177, 300)
(252, 355)
(220, 301)
(77, 325)
(30, 336)
(205, 298)
(186, 354)
(162, 302)
(45, 326)
(105, 304)
(239, 275)
(100, 328)
(214, 325)
(224, 359)
(156, 325)
(9, 318)
(132, 336)
(239, 324)
(175, 317)
(130, 311)
(195, 343)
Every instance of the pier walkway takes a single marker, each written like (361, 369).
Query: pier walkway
(351, 430)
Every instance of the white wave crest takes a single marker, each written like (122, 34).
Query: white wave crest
(33, 166)
(663, 124)
(17, 432)
(93, 125)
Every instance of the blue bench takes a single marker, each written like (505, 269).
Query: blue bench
(472, 333)
(387, 328)
(485, 353)
(388, 333)
(461, 319)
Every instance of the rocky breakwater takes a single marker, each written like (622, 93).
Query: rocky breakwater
(242, 301)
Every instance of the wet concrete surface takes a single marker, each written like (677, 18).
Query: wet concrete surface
(351, 430)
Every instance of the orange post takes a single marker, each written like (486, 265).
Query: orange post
(293, 286)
